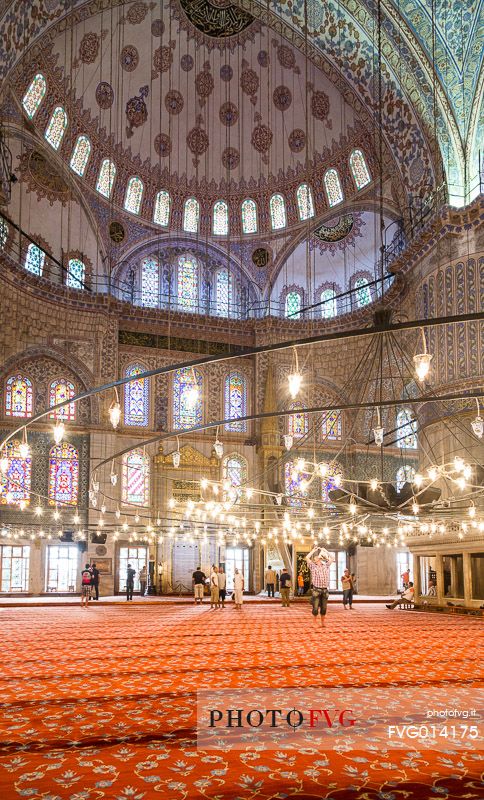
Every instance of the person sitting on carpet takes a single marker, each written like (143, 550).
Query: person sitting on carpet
(407, 597)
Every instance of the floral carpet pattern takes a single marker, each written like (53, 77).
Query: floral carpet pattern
(102, 703)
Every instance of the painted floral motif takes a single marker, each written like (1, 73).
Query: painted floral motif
(198, 142)
(282, 98)
(162, 145)
(89, 47)
(263, 58)
(204, 83)
(104, 95)
(297, 140)
(249, 82)
(226, 73)
(129, 58)
(319, 105)
(136, 111)
(230, 158)
(186, 62)
(229, 114)
(162, 59)
(138, 12)
(157, 27)
(286, 56)
(261, 139)
(174, 101)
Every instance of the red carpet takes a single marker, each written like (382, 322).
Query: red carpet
(101, 703)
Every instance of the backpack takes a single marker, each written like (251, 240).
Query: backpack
(86, 577)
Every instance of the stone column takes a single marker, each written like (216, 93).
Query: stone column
(439, 570)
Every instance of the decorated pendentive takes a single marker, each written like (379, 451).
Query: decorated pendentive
(345, 230)
(136, 111)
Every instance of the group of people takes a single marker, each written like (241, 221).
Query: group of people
(89, 584)
(218, 587)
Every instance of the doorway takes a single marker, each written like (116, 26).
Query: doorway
(138, 558)
(237, 558)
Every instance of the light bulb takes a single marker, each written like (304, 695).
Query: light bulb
(472, 511)
(114, 478)
(115, 414)
(461, 483)
(23, 505)
(295, 382)
(191, 397)
(352, 507)
(3, 464)
(103, 509)
(415, 508)
(422, 365)
(171, 502)
(337, 480)
(77, 519)
(477, 426)
(288, 441)
(218, 448)
(176, 459)
(418, 479)
(24, 450)
(300, 464)
(203, 483)
(279, 499)
(136, 519)
(95, 486)
(249, 492)
(378, 434)
(59, 431)
(373, 484)
(433, 473)
(38, 511)
(458, 464)
(323, 469)
(56, 515)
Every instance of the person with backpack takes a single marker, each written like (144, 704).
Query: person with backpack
(86, 579)
(130, 573)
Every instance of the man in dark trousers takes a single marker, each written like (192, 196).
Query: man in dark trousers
(95, 581)
(285, 582)
(130, 573)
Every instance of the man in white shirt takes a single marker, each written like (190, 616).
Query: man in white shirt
(222, 583)
(407, 597)
(214, 592)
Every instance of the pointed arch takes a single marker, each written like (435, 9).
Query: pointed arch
(161, 213)
(19, 396)
(59, 391)
(277, 210)
(63, 474)
(16, 487)
(76, 273)
(56, 128)
(332, 185)
(34, 95)
(136, 398)
(187, 413)
(359, 169)
(249, 216)
(34, 259)
(135, 480)
(220, 219)
(191, 215)
(80, 155)
(329, 307)
(406, 430)
(234, 469)
(235, 401)
(105, 179)
(305, 204)
(293, 304)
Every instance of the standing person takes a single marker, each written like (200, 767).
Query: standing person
(300, 584)
(198, 579)
(130, 573)
(222, 585)
(214, 592)
(142, 580)
(285, 587)
(353, 580)
(95, 581)
(270, 580)
(238, 589)
(319, 568)
(405, 576)
(86, 578)
(347, 585)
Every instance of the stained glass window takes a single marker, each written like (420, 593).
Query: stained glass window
(223, 293)
(34, 260)
(277, 208)
(187, 282)
(234, 469)
(333, 188)
(161, 213)
(331, 480)
(292, 481)
(63, 474)
(406, 430)
(150, 282)
(405, 474)
(34, 95)
(329, 306)
(136, 478)
(331, 425)
(3, 233)
(363, 294)
(134, 195)
(191, 215)
(305, 203)
(220, 225)
(292, 307)
(18, 397)
(359, 169)
(60, 391)
(298, 423)
(76, 273)
(249, 216)
(185, 412)
(105, 179)
(56, 127)
(136, 399)
(235, 401)
(16, 486)
(80, 155)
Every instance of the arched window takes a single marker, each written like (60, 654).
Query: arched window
(34, 95)
(294, 484)
(17, 477)
(161, 214)
(63, 474)
(18, 397)
(34, 260)
(406, 430)
(359, 169)
(331, 425)
(404, 475)
(249, 216)
(56, 127)
(223, 293)
(292, 305)
(188, 283)
(150, 282)
(3, 233)
(135, 484)
(329, 306)
(60, 391)
(220, 225)
(136, 398)
(305, 203)
(235, 401)
(187, 408)
(277, 208)
(191, 215)
(80, 155)
(234, 469)
(134, 195)
(76, 273)
(363, 294)
(105, 179)
(298, 423)
(332, 480)
(333, 188)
